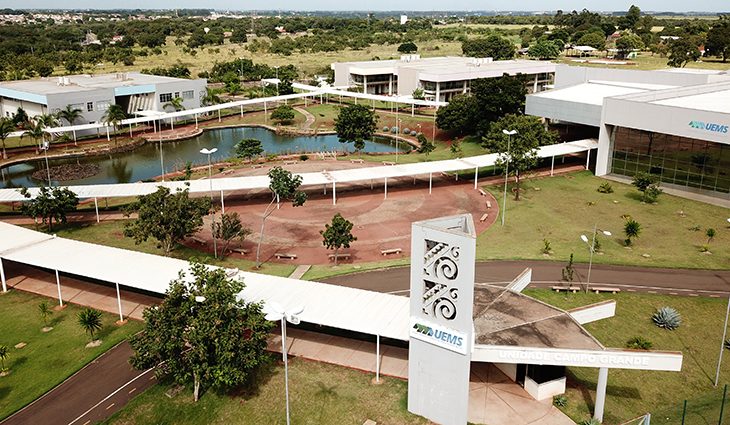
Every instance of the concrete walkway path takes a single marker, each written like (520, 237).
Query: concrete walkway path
(308, 115)
(300, 271)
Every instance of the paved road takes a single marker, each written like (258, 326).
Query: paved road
(546, 273)
(91, 395)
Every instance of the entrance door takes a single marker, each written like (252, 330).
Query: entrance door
(521, 372)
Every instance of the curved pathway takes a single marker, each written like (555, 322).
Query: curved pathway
(712, 283)
(308, 115)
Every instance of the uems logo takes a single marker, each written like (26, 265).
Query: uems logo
(715, 128)
(439, 336)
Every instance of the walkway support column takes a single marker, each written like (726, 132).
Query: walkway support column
(219, 115)
(430, 182)
(588, 158)
(334, 193)
(552, 165)
(2, 276)
(130, 130)
(241, 111)
(601, 393)
(96, 208)
(74, 133)
(476, 177)
(386, 188)
(58, 285)
(196, 121)
(172, 124)
(377, 358)
(107, 134)
(223, 204)
(119, 304)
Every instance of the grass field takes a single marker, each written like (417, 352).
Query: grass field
(632, 392)
(50, 357)
(111, 233)
(648, 61)
(561, 208)
(319, 394)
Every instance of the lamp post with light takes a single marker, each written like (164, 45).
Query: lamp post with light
(274, 313)
(592, 249)
(509, 134)
(209, 152)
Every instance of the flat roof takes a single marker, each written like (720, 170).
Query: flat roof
(718, 101)
(593, 93)
(85, 82)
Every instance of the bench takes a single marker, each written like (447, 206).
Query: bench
(599, 289)
(357, 161)
(572, 289)
(391, 251)
(482, 192)
(484, 217)
(198, 240)
(257, 166)
(240, 251)
(285, 256)
(226, 172)
(290, 162)
(388, 163)
(344, 256)
(489, 204)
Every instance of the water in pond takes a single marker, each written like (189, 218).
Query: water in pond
(144, 163)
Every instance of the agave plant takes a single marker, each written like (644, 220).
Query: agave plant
(667, 318)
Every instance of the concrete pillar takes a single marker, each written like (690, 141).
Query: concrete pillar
(96, 208)
(219, 115)
(119, 304)
(2, 276)
(58, 285)
(552, 165)
(588, 158)
(107, 134)
(130, 130)
(438, 92)
(196, 121)
(601, 393)
(413, 109)
(172, 124)
(241, 111)
(74, 133)
(334, 193)
(223, 204)
(390, 84)
(430, 182)
(365, 84)
(265, 112)
(606, 137)
(386, 188)
(534, 85)
(476, 177)
(377, 358)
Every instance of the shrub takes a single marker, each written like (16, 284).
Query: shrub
(727, 344)
(605, 187)
(591, 421)
(303, 157)
(546, 246)
(639, 343)
(386, 128)
(695, 228)
(414, 133)
(406, 130)
(560, 400)
(394, 130)
(667, 318)
(632, 229)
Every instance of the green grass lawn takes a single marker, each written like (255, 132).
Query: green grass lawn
(50, 357)
(633, 392)
(561, 208)
(649, 61)
(111, 233)
(319, 394)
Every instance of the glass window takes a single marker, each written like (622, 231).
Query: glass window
(165, 97)
(102, 105)
(89, 106)
(188, 94)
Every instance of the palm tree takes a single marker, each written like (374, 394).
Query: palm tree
(114, 116)
(3, 357)
(176, 104)
(35, 131)
(45, 312)
(90, 320)
(210, 97)
(70, 114)
(6, 127)
(632, 229)
(48, 120)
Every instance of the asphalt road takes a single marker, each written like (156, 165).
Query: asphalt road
(546, 273)
(91, 395)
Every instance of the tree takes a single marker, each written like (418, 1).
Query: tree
(248, 148)
(627, 43)
(90, 321)
(36, 131)
(230, 228)
(114, 117)
(718, 38)
(408, 47)
(682, 51)
(493, 46)
(166, 217)
(283, 185)
(426, 146)
(6, 127)
(284, 114)
(70, 114)
(648, 185)
(20, 118)
(568, 271)
(418, 94)
(544, 49)
(356, 123)
(496, 98)
(459, 116)
(175, 103)
(204, 333)
(519, 153)
(710, 233)
(631, 229)
(593, 39)
(338, 234)
(210, 97)
(45, 311)
(49, 204)
(3, 357)
(631, 18)
(456, 150)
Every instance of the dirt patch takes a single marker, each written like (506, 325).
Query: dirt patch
(68, 172)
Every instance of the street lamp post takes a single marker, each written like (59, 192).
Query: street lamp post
(209, 152)
(275, 312)
(47, 146)
(509, 134)
(397, 136)
(592, 249)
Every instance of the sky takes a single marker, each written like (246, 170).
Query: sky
(379, 5)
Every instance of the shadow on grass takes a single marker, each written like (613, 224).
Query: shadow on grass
(18, 361)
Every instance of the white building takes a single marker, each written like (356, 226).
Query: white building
(93, 94)
(440, 78)
(672, 123)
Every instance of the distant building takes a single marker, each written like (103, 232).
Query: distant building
(90, 39)
(440, 78)
(403, 19)
(93, 94)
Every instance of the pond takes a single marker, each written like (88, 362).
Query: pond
(144, 163)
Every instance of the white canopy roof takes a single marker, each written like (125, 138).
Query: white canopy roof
(308, 179)
(339, 307)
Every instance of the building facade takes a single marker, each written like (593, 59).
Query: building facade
(674, 124)
(93, 94)
(439, 78)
